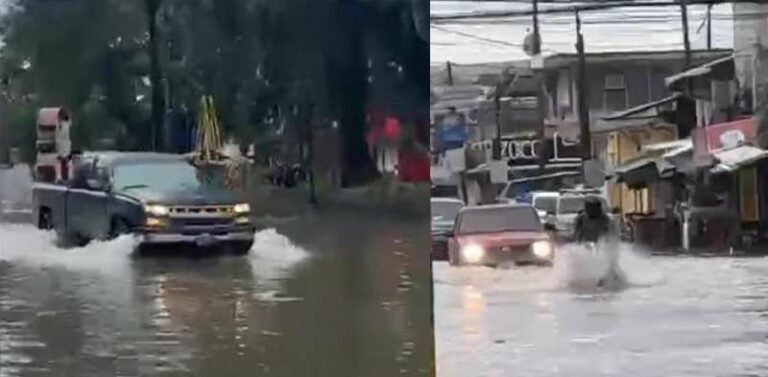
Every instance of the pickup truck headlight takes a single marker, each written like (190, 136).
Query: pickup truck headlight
(157, 210)
(542, 249)
(473, 253)
(242, 208)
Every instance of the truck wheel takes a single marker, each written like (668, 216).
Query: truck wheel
(44, 221)
(118, 228)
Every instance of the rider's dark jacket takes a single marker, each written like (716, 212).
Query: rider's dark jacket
(592, 224)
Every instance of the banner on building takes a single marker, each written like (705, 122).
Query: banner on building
(722, 136)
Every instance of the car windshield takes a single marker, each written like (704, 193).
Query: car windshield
(546, 203)
(491, 220)
(570, 204)
(573, 204)
(161, 176)
(445, 211)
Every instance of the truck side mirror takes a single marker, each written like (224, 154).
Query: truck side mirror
(549, 227)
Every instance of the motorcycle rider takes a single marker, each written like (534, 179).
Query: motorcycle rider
(593, 223)
(592, 226)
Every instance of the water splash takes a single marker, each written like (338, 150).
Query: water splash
(579, 267)
(36, 248)
(273, 257)
(16, 186)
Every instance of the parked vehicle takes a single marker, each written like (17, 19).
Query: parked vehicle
(160, 197)
(545, 203)
(497, 234)
(444, 213)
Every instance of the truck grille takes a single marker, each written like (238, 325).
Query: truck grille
(202, 209)
(508, 249)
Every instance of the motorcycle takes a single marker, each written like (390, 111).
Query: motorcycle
(614, 277)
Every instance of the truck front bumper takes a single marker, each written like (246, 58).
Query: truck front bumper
(237, 238)
(198, 239)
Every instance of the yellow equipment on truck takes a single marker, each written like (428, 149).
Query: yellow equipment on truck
(210, 153)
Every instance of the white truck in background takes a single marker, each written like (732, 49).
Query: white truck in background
(53, 145)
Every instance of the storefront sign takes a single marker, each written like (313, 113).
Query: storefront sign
(722, 136)
(524, 151)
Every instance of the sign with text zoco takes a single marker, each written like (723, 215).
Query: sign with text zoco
(525, 151)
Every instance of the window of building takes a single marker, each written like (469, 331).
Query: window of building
(615, 92)
(643, 201)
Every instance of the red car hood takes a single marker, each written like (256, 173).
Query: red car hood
(516, 238)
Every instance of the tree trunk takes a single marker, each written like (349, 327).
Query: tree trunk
(156, 77)
(358, 168)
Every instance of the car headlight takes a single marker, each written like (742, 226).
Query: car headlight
(542, 249)
(242, 208)
(473, 253)
(157, 210)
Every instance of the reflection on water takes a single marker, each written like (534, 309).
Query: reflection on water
(308, 300)
(679, 316)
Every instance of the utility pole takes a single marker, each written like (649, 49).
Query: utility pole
(536, 48)
(497, 104)
(583, 89)
(709, 26)
(686, 39)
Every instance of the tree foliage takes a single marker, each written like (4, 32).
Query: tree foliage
(263, 61)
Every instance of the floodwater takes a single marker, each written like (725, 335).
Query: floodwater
(680, 316)
(319, 295)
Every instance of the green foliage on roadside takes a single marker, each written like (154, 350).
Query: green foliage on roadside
(257, 58)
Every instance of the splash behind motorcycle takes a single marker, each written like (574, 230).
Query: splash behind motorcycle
(614, 277)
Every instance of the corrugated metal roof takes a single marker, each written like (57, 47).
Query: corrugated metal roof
(618, 29)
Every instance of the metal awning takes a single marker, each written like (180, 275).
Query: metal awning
(732, 159)
(638, 116)
(640, 171)
(720, 69)
(668, 146)
(546, 176)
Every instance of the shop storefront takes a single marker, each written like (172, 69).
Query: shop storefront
(728, 154)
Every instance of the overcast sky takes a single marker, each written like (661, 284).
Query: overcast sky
(619, 29)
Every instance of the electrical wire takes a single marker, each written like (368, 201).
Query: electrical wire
(585, 8)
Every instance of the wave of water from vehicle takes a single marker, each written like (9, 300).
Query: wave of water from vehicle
(272, 255)
(581, 267)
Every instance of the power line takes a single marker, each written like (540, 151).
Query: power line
(645, 18)
(584, 8)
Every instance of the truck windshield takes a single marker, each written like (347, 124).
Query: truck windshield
(504, 219)
(161, 176)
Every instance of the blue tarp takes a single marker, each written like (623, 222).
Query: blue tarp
(452, 138)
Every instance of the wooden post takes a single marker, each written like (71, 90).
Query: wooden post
(463, 179)
(311, 156)
(450, 73)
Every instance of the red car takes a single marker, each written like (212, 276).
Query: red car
(492, 235)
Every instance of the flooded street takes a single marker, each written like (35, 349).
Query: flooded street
(306, 301)
(682, 316)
